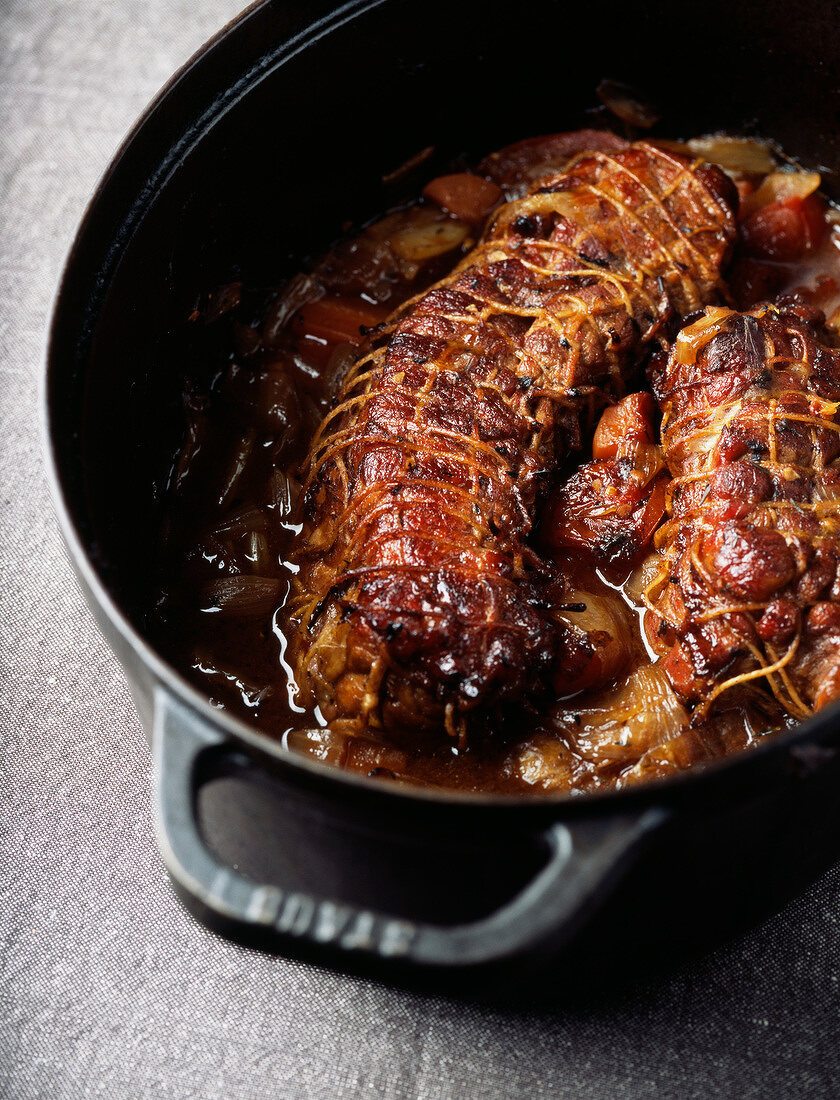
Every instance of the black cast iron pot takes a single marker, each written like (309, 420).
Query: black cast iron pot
(255, 154)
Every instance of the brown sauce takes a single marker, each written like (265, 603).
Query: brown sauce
(265, 368)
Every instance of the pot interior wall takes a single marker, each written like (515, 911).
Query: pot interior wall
(275, 175)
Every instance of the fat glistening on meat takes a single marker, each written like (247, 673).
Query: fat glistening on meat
(747, 588)
(418, 600)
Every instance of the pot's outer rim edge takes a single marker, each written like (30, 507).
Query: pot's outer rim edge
(786, 754)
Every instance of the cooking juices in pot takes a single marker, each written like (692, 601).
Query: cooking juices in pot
(447, 536)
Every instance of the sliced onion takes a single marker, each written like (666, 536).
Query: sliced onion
(639, 713)
(626, 104)
(283, 493)
(296, 293)
(743, 156)
(258, 553)
(427, 239)
(196, 436)
(606, 622)
(339, 363)
(409, 165)
(672, 146)
(240, 522)
(545, 762)
(237, 467)
(641, 577)
(241, 596)
(219, 553)
(267, 399)
(779, 187)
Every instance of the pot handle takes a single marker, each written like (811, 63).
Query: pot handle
(585, 858)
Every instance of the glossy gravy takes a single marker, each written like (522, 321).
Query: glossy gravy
(265, 365)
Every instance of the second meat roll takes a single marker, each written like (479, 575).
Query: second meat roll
(747, 589)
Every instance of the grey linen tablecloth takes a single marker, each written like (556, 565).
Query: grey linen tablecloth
(108, 988)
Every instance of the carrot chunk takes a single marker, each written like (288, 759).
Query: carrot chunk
(604, 511)
(785, 230)
(628, 422)
(464, 195)
(336, 319)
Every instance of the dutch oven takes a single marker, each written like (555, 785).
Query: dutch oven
(256, 153)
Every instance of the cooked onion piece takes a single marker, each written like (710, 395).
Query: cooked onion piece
(601, 645)
(780, 187)
(627, 104)
(244, 595)
(741, 156)
(611, 732)
(430, 238)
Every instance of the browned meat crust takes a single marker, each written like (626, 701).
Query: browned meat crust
(418, 596)
(748, 585)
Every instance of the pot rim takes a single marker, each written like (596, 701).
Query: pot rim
(787, 751)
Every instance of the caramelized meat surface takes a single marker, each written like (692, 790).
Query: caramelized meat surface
(607, 510)
(418, 597)
(748, 585)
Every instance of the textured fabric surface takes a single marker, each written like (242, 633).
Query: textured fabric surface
(108, 988)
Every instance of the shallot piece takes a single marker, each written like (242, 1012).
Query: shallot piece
(419, 599)
(747, 586)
